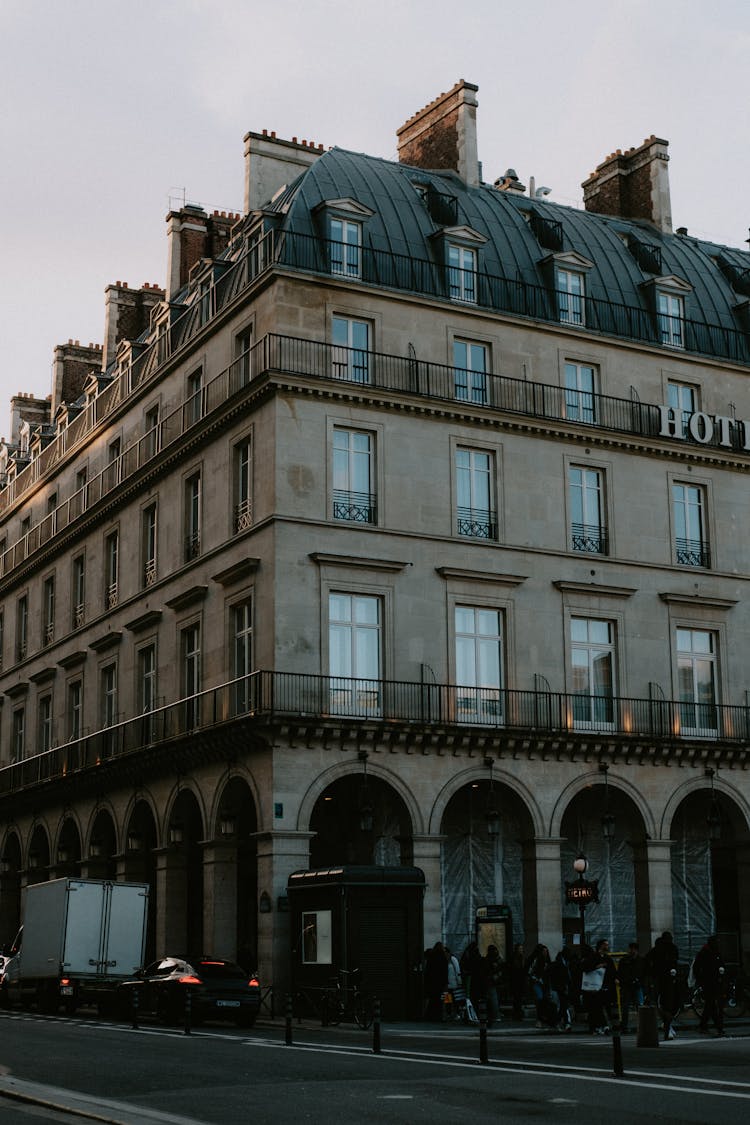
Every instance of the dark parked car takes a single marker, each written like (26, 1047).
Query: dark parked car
(219, 990)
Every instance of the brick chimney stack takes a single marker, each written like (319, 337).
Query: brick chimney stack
(633, 185)
(443, 135)
(271, 162)
(126, 314)
(72, 365)
(27, 408)
(192, 234)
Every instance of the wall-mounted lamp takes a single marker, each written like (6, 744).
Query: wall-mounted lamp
(608, 820)
(492, 812)
(134, 841)
(4, 866)
(228, 824)
(713, 817)
(264, 903)
(63, 855)
(33, 860)
(96, 848)
(176, 834)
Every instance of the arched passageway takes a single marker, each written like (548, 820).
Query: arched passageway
(139, 864)
(360, 819)
(10, 889)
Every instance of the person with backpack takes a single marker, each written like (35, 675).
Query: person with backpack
(709, 970)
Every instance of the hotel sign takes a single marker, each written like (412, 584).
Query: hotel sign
(706, 429)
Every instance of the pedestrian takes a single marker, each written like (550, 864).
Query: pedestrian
(435, 980)
(561, 985)
(492, 980)
(518, 980)
(630, 977)
(663, 960)
(472, 972)
(598, 983)
(709, 970)
(537, 969)
(454, 1007)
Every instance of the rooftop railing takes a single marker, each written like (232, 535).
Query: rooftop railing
(266, 696)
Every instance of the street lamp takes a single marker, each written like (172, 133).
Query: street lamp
(492, 812)
(582, 891)
(608, 820)
(713, 818)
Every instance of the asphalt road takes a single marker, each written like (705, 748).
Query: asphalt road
(153, 1076)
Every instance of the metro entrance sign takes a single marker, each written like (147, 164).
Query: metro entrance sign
(582, 892)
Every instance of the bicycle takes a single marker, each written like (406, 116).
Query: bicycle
(344, 1000)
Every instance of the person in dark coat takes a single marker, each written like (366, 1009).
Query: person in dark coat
(518, 980)
(472, 972)
(537, 968)
(561, 985)
(435, 980)
(708, 970)
(630, 971)
(598, 1002)
(663, 960)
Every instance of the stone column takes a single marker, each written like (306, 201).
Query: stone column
(742, 853)
(171, 893)
(547, 891)
(654, 908)
(220, 897)
(427, 856)
(279, 854)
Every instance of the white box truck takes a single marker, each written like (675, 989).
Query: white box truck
(79, 939)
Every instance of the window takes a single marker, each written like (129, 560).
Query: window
(470, 371)
(146, 689)
(571, 288)
(48, 610)
(696, 674)
(51, 521)
(479, 665)
(22, 627)
(194, 404)
(148, 541)
(592, 662)
(111, 552)
(243, 501)
(79, 591)
(75, 710)
(152, 439)
(2, 638)
(192, 517)
(242, 628)
(114, 464)
(44, 727)
(346, 247)
(18, 750)
(681, 399)
(79, 499)
(580, 392)
(691, 546)
(475, 516)
(191, 674)
(354, 648)
(671, 319)
(350, 352)
(243, 359)
(109, 696)
(353, 476)
(462, 273)
(587, 526)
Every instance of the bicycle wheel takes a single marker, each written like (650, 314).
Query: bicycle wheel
(363, 1012)
(331, 1010)
(698, 1001)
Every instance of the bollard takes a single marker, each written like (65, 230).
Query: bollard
(376, 1027)
(483, 1056)
(617, 1051)
(188, 1009)
(648, 1026)
(134, 1000)
(288, 1020)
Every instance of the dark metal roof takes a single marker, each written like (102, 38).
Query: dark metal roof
(402, 224)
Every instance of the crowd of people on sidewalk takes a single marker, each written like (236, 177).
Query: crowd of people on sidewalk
(581, 981)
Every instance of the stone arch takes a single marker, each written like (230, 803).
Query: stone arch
(232, 873)
(238, 775)
(480, 773)
(10, 887)
(345, 769)
(100, 843)
(595, 777)
(38, 851)
(184, 790)
(702, 783)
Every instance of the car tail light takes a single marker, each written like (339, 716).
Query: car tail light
(65, 980)
(253, 982)
(189, 980)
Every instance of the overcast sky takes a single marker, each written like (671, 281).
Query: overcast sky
(112, 107)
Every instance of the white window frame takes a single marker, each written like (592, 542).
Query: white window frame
(353, 475)
(475, 481)
(243, 485)
(354, 689)
(480, 676)
(592, 710)
(682, 398)
(242, 652)
(470, 371)
(190, 651)
(670, 313)
(150, 541)
(75, 709)
(111, 568)
(571, 296)
(586, 490)
(108, 681)
(463, 274)
(581, 390)
(45, 723)
(345, 246)
(349, 358)
(689, 511)
(699, 717)
(18, 737)
(193, 499)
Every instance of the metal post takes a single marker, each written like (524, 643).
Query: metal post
(134, 1000)
(288, 1020)
(376, 1027)
(617, 1051)
(188, 1009)
(483, 1056)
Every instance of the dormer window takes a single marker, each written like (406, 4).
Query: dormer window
(670, 309)
(346, 247)
(571, 296)
(462, 273)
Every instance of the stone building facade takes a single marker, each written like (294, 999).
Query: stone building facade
(405, 526)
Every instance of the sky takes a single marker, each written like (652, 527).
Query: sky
(115, 110)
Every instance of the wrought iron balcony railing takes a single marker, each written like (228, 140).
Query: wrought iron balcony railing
(478, 523)
(265, 696)
(359, 507)
(692, 552)
(591, 538)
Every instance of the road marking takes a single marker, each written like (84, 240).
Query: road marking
(395, 1097)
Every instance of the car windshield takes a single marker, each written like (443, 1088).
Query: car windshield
(219, 970)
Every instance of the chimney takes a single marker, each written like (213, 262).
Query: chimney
(72, 365)
(271, 163)
(633, 185)
(192, 235)
(443, 135)
(127, 314)
(26, 408)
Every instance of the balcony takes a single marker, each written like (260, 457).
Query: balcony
(477, 523)
(692, 552)
(589, 538)
(641, 729)
(357, 507)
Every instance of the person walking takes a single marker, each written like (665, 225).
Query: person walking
(709, 970)
(435, 980)
(561, 985)
(493, 976)
(630, 977)
(663, 960)
(518, 980)
(538, 968)
(598, 984)
(455, 988)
